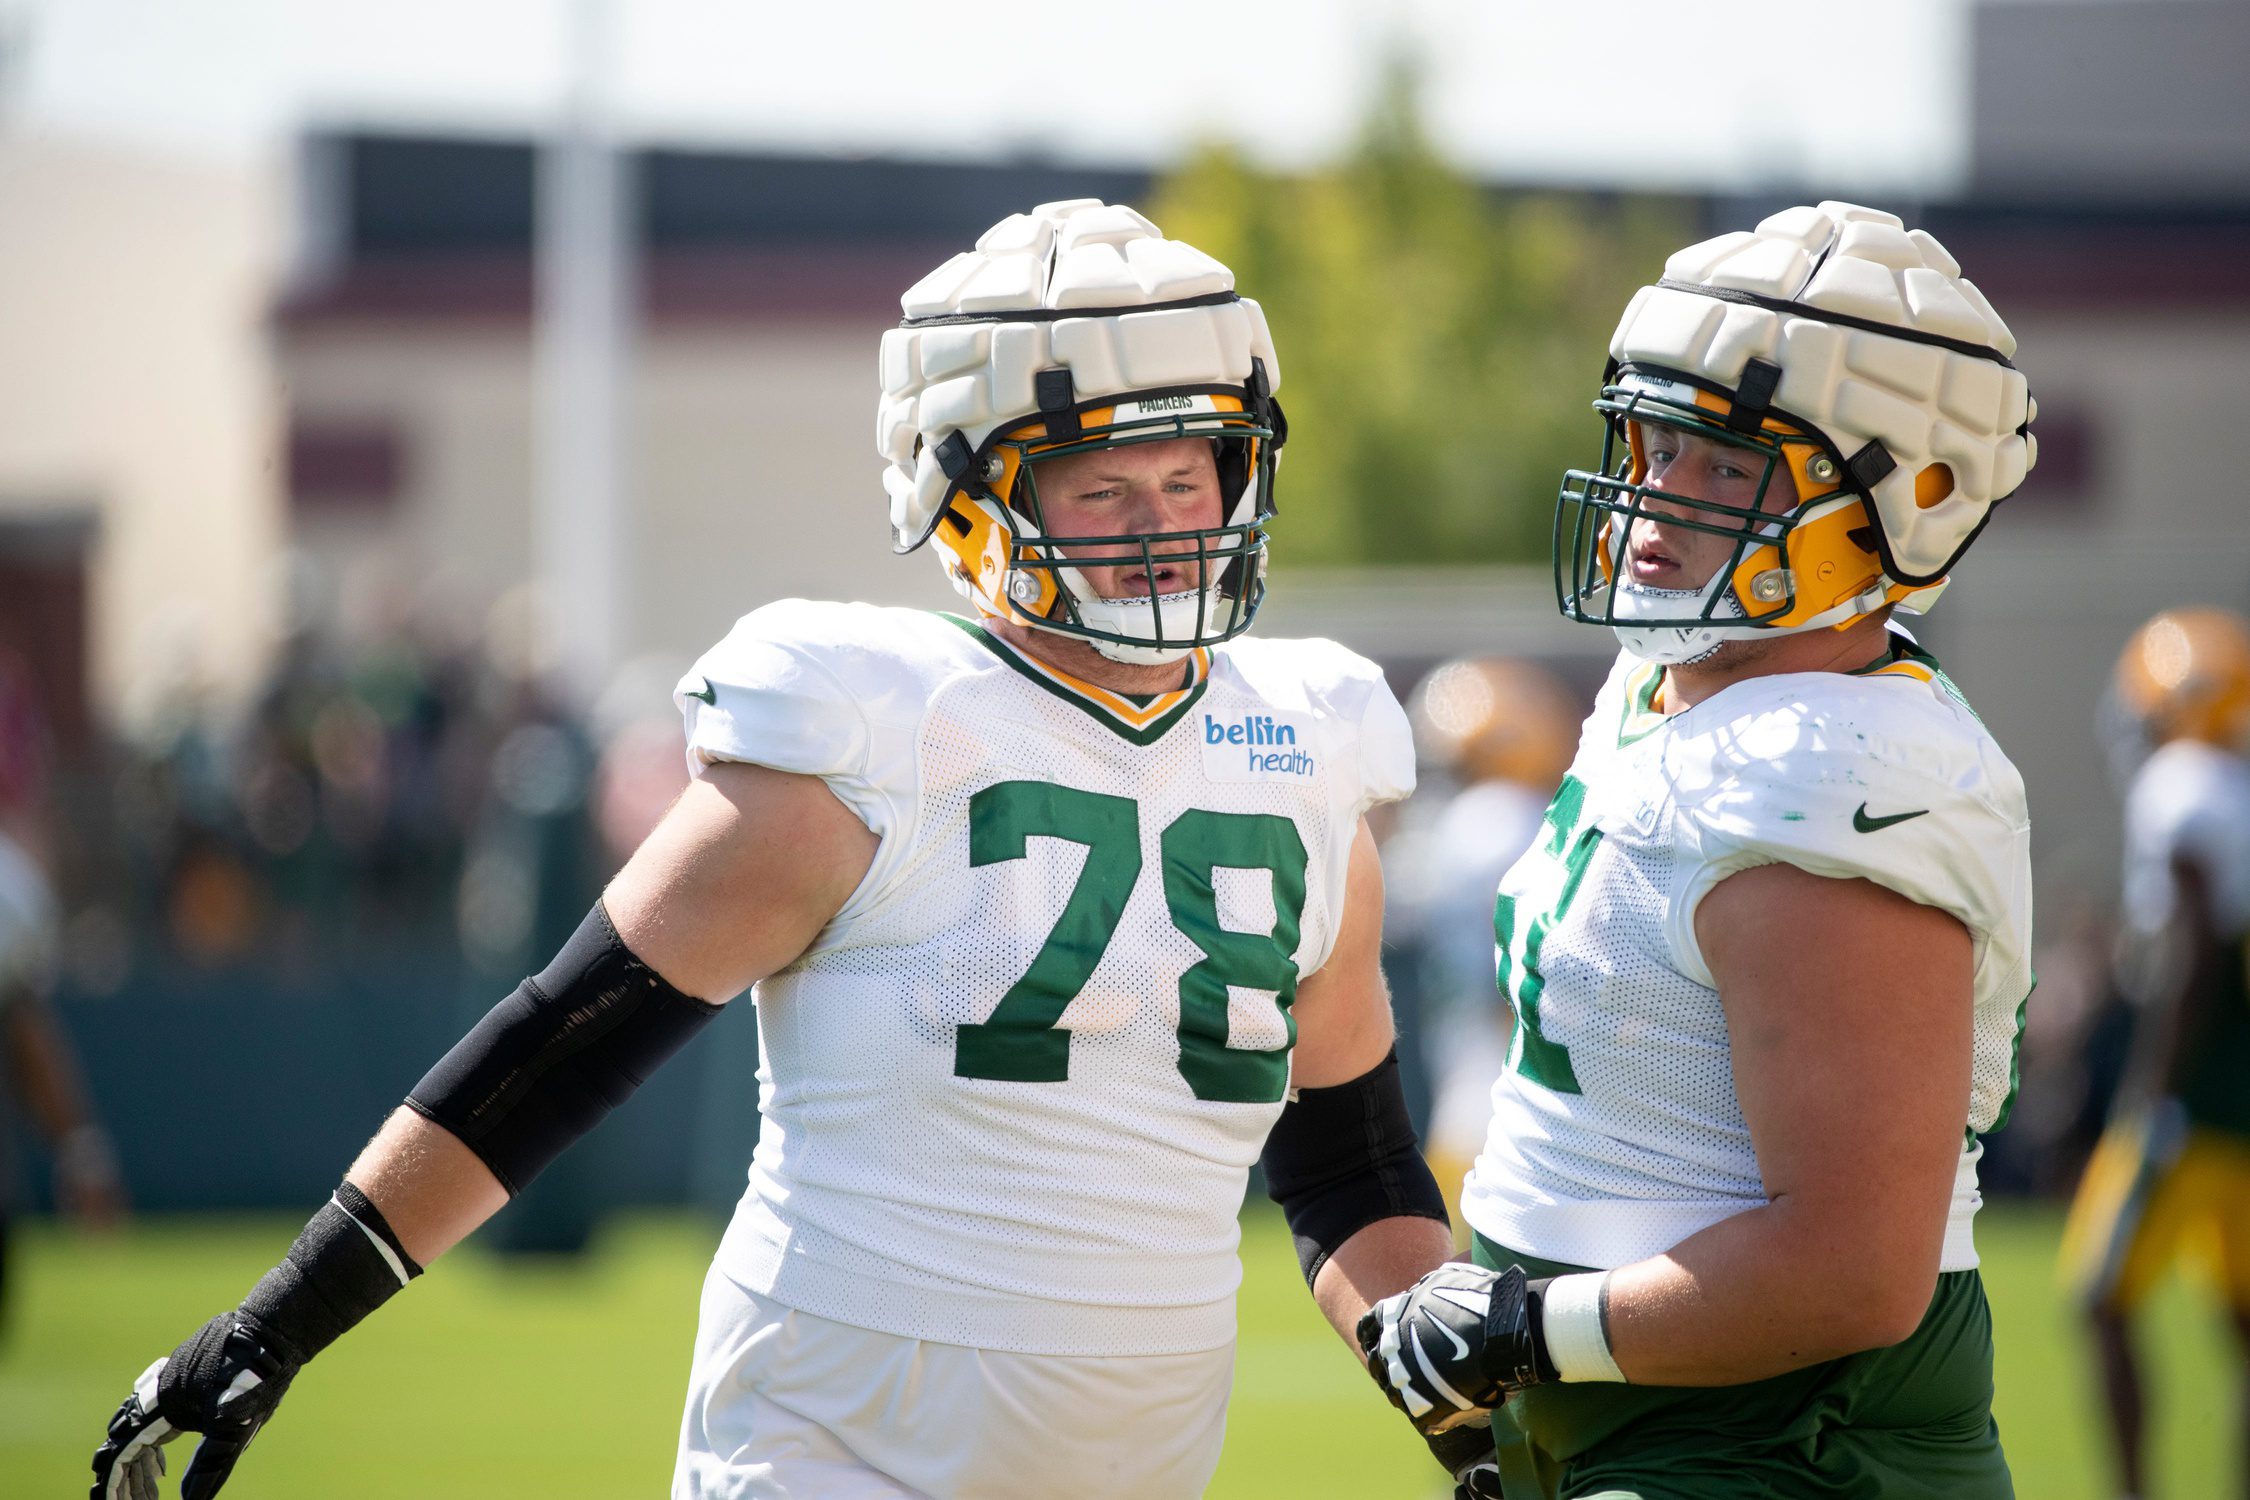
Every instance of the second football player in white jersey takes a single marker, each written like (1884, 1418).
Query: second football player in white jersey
(1057, 915)
(1769, 953)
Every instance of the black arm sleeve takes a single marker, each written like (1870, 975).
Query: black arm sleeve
(1340, 1158)
(552, 1060)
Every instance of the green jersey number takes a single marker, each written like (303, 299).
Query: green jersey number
(1533, 1055)
(1021, 1041)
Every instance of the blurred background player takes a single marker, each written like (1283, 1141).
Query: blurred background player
(1770, 951)
(1055, 918)
(1499, 734)
(2170, 1179)
(39, 1073)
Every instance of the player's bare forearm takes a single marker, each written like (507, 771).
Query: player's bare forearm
(1387, 1256)
(1344, 1042)
(1765, 1292)
(432, 1189)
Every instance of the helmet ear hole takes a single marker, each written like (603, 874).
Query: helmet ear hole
(1932, 485)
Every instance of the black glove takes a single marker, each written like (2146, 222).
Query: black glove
(1452, 1346)
(224, 1383)
(1466, 1453)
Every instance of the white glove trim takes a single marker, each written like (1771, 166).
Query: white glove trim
(382, 1246)
(142, 1451)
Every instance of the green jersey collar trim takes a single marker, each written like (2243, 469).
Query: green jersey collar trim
(1641, 716)
(1113, 714)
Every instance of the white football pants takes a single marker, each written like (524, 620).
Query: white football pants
(783, 1405)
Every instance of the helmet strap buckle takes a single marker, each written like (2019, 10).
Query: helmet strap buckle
(1057, 395)
(1753, 394)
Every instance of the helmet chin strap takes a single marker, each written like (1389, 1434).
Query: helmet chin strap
(1677, 645)
(1137, 617)
(1685, 645)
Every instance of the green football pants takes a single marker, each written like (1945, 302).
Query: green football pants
(1911, 1422)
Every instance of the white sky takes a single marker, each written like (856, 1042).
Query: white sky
(1842, 95)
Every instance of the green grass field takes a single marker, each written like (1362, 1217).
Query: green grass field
(496, 1379)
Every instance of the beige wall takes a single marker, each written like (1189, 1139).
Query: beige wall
(135, 380)
(752, 464)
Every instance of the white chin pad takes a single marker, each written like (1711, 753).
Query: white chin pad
(1140, 617)
(1674, 645)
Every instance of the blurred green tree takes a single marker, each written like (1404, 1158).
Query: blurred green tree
(1440, 340)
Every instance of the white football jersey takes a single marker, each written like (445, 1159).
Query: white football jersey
(1011, 1094)
(2188, 800)
(1616, 1132)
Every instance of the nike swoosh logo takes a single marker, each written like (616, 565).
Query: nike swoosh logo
(1865, 824)
(1460, 1344)
(707, 693)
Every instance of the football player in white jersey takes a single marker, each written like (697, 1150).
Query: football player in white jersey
(1052, 913)
(1769, 954)
(2170, 1180)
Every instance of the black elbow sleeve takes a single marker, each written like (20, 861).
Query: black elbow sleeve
(551, 1061)
(1341, 1158)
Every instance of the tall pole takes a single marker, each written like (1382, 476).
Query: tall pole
(584, 284)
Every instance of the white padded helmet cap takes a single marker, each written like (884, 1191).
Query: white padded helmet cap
(1879, 339)
(1157, 314)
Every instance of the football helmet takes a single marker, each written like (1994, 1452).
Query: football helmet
(1494, 719)
(1833, 345)
(1070, 328)
(2185, 675)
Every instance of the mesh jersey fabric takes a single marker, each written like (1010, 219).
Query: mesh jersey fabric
(1062, 1187)
(2191, 801)
(1616, 1130)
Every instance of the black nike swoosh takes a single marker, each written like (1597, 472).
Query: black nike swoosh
(1866, 824)
(709, 694)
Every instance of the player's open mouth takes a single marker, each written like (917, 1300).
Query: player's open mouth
(1166, 580)
(1650, 564)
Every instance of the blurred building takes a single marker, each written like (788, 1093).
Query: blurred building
(403, 341)
(2117, 101)
(139, 502)
(407, 346)
(182, 405)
